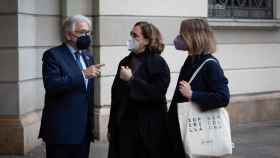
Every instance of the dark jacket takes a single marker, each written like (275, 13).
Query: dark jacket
(67, 116)
(210, 91)
(141, 99)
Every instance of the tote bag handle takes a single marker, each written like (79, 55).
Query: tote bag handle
(200, 67)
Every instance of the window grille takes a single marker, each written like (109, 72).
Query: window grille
(240, 9)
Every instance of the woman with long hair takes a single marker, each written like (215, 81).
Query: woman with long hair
(138, 117)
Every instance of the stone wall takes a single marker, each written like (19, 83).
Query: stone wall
(28, 28)
(249, 56)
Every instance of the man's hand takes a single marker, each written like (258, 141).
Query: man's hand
(93, 71)
(125, 73)
(185, 89)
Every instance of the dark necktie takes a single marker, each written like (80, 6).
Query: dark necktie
(78, 61)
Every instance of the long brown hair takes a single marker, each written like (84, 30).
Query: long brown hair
(153, 35)
(198, 36)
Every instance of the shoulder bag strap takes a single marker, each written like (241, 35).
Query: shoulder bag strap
(198, 69)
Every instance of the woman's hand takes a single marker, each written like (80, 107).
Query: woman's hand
(185, 89)
(125, 73)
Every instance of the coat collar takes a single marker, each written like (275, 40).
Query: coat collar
(70, 60)
(72, 51)
(86, 58)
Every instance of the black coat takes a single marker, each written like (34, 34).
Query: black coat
(142, 100)
(210, 91)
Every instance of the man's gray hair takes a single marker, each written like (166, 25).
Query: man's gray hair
(70, 22)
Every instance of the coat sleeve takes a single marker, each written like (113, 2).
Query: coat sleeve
(154, 89)
(113, 104)
(217, 94)
(56, 81)
(116, 96)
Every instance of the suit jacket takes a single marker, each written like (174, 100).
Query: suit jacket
(67, 116)
(142, 100)
(210, 91)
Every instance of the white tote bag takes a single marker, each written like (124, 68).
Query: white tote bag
(204, 133)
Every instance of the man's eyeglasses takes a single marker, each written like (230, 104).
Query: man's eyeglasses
(83, 32)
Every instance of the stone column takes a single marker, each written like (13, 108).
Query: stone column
(28, 28)
(277, 9)
(10, 126)
(89, 8)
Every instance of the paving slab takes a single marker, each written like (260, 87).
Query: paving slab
(253, 140)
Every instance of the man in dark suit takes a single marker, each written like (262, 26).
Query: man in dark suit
(68, 76)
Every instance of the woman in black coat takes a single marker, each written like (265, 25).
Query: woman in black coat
(210, 87)
(138, 117)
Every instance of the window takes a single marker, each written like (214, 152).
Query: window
(240, 9)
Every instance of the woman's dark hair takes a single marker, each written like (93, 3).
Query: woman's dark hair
(153, 35)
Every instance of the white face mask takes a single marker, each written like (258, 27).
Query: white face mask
(133, 45)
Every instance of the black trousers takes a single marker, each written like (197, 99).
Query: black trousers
(132, 144)
(67, 150)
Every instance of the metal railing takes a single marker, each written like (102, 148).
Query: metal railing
(240, 9)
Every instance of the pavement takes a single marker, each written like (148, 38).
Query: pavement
(253, 140)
